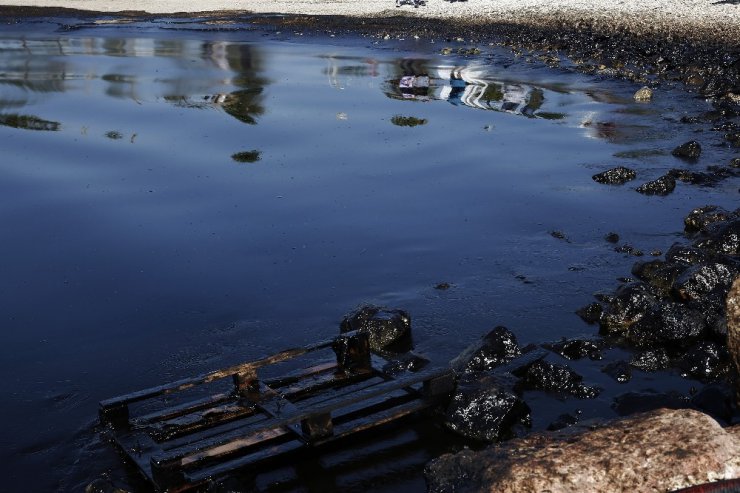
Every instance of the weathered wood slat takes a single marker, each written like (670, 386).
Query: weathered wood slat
(182, 440)
(190, 382)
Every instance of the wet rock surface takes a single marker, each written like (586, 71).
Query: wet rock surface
(388, 329)
(615, 176)
(495, 349)
(661, 186)
(733, 332)
(689, 151)
(662, 450)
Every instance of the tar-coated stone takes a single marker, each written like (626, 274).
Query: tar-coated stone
(689, 151)
(591, 313)
(667, 324)
(615, 176)
(659, 274)
(706, 360)
(651, 360)
(701, 217)
(388, 329)
(612, 237)
(550, 377)
(498, 347)
(699, 280)
(662, 186)
(680, 253)
(620, 371)
(575, 349)
(486, 410)
(712, 309)
(629, 304)
(721, 237)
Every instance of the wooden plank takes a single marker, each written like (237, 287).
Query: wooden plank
(187, 383)
(294, 416)
(182, 409)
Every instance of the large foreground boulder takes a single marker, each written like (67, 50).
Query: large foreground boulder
(733, 331)
(662, 450)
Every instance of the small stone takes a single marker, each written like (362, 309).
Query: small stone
(662, 186)
(644, 94)
(497, 348)
(651, 360)
(620, 371)
(689, 151)
(612, 237)
(387, 329)
(615, 176)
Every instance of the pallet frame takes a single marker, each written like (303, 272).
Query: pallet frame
(180, 446)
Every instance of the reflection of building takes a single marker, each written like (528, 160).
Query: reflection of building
(468, 86)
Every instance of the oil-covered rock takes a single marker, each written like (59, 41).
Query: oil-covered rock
(689, 151)
(495, 349)
(551, 377)
(486, 409)
(660, 186)
(388, 329)
(667, 324)
(615, 176)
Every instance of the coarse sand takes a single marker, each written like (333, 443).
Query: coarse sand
(689, 18)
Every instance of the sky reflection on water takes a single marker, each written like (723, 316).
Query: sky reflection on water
(172, 206)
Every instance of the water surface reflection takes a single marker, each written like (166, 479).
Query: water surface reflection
(172, 206)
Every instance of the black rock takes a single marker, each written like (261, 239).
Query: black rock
(575, 349)
(667, 324)
(550, 377)
(689, 151)
(590, 313)
(651, 360)
(619, 371)
(612, 237)
(662, 186)
(387, 329)
(721, 237)
(629, 249)
(685, 254)
(701, 217)
(706, 360)
(699, 280)
(615, 176)
(629, 304)
(735, 163)
(498, 347)
(658, 273)
(713, 311)
(486, 410)
(694, 177)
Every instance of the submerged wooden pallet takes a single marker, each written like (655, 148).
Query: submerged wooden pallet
(184, 433)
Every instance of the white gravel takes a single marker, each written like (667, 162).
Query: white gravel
(684, 17)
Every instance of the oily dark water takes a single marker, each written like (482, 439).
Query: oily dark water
(175, 201)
